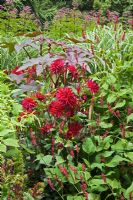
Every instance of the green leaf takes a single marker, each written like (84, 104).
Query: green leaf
(128, 191)
(5, 132)
(130, 118)
(11, 142)
(44, 159)
(93, 196)
(115, 161)
(2, 148)
(27, 196)
(75, 198)
(105, 125)
(120, 104)
(111, 79)
(129, 155)
(111, 98)
(59, 160)
(115, 184)
(97, 165)
(27, 149)
(88, 146)
(122, 145)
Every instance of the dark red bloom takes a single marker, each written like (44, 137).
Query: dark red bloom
(66, 97)
(46, 128)
(29, 104)
(73, 70)
(64, 171)
(31, 73)
(39, 96)
(93, 86)
(31, 70)
(56, 108)
(15, 71)
(58, 66)
(51, 184)
(73, 129)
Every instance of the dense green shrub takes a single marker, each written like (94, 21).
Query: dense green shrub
(83, 149)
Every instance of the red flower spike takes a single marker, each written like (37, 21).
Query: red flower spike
(33, 138)
(15, 71)
(72, 153)
(63, 170)
(73, 169)
(93, 87)
(51, 184)
(103, 177)
(83, 167)
(29, 104)
(58, 66)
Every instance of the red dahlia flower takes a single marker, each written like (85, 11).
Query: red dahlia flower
(39, 96)
(73, 129)
(56, 108)
(46, 128)
(58, 66)
(93, 86)
(29, 104)
(15, 71)
(66, 97)
(72, 69)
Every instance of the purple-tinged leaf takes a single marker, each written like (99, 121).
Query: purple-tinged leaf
(17, 78)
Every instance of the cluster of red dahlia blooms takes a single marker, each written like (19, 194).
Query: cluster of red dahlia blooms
(65, 104)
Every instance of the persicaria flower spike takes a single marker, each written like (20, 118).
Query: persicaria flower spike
(93, 86)
(29, 104)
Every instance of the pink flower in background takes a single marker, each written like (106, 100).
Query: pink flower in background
(27, 9)
(58, 66)
(93, 86)
(9, 2)
(14, 11)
